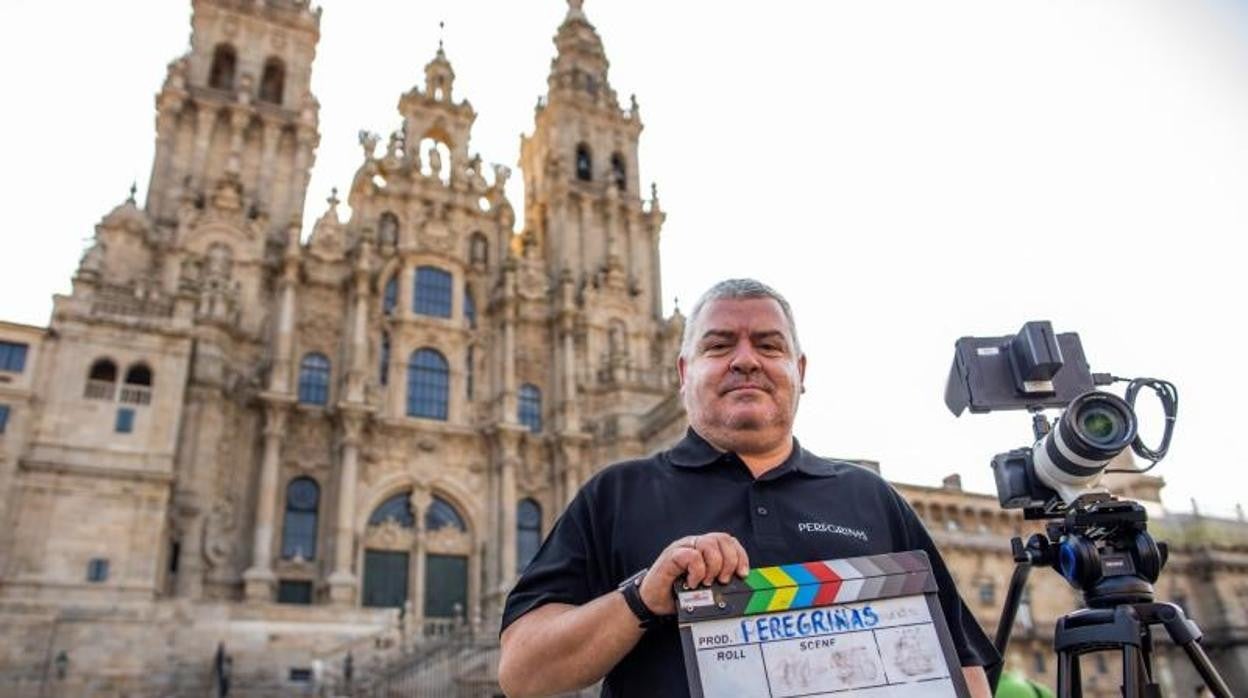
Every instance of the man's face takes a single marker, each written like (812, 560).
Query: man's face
(742, 376)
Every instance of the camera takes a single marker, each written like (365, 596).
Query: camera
(1034, 370)
(1100, 544)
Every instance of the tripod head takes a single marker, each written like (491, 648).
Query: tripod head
(1102, 547)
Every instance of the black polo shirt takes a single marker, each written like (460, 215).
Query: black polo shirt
(808, 508)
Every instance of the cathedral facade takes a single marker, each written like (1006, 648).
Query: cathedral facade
(235, 452)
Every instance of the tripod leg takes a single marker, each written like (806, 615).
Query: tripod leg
(1130, 673)
(1205, 668)
(1076, 675)
(1069, 681)
(1186, 635)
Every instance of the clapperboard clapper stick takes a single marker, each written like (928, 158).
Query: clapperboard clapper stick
(861, 627)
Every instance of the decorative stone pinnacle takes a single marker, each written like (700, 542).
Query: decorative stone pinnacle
(134, 187)
(333, 198)
(574, 9)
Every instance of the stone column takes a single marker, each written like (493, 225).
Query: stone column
(268, 161)
(420, 501)
(190, 576)
(509, 310)
(569, 409)
(342, 583)
(283, 344)
(166, 140)
(259, 580)
(204, 122)
(305, 141)
(239, 119)
(507, 516)
(357, 375)
(407, 285)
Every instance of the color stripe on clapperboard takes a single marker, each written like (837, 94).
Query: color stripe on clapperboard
(811, 584)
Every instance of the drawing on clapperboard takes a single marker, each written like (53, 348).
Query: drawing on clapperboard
(914, 655)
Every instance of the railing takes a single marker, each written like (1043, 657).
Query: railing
(136, 394)
(100, 390)
(124, 301)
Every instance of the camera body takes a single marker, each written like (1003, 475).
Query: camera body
(1034, 370)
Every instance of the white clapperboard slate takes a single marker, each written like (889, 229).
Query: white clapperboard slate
(862, 627)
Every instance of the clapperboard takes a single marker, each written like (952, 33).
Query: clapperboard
(863, 627)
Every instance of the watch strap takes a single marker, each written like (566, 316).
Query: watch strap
(631, 589)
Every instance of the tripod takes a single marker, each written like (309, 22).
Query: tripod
(1104, 549)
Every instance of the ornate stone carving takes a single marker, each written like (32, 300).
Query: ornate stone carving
(448, 541)
(389, 535)
(219, 533)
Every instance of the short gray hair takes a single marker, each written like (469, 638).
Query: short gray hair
(737, 289)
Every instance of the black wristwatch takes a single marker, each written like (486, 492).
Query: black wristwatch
(631, 589)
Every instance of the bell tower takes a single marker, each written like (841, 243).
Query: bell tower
(583, 199)
(237, 111)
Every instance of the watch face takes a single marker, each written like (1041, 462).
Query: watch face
(634, 580)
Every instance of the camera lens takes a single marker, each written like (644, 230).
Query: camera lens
(1101, 425)
(1095, 428)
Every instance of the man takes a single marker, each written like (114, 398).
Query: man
(737, 491)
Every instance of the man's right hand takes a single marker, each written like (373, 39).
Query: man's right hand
(700, 559)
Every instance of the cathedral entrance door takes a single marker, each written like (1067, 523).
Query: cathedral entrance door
(446, 587)
(385, 578)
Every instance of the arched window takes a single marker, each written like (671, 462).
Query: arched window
(102, 380)
(470, 308)
(469, 372)
(432, 295)
(428, 384)
(397, 508)
(303, 496)
(390, 296)
(273, 81)
(435, 154)
(384, 359)
(224, 63)
(442, 514)
(528, 532)
(388, 229)
(137, 388)
(531, 407)
(314, 379)
(619, 172)
(139, 374)
(584, 163)
(478, 249)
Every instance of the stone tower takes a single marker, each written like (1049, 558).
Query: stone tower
(598, 239)
(238, 109)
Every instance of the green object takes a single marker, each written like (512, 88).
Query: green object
(1014, 685)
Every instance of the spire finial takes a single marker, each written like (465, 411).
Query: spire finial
(574, 9)
(134, 187)
(333, 198)
(441, 31)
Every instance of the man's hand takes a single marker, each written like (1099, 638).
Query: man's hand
(700, 559)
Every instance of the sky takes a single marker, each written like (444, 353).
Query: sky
(907, 172)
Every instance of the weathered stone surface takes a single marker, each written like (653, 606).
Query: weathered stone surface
(221, 413)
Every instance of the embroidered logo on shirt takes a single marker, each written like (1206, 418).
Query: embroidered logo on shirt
(824, 527)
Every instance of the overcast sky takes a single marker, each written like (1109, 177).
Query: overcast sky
(907, 172)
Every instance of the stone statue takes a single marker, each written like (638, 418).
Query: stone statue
(501, 174)
(369, 141)
(435, 161)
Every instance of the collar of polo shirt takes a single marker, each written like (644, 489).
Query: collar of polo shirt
(693, 451)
